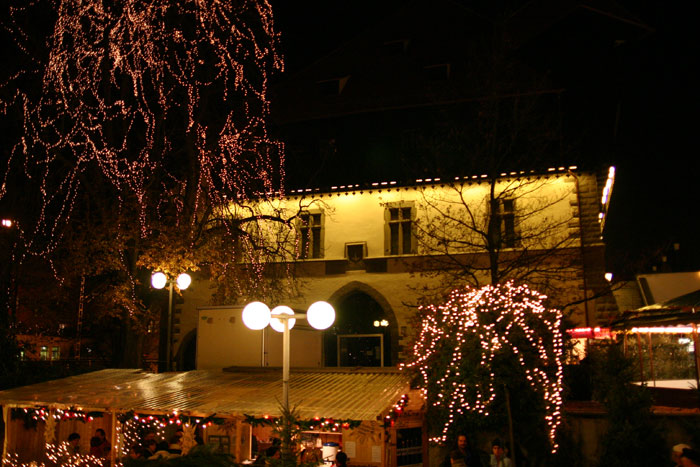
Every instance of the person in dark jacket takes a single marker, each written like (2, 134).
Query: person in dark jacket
(462, 455)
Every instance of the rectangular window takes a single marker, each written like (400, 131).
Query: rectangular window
(44, 353)
(310, 235)
(400, 230)
(55, 353)
(507, 234)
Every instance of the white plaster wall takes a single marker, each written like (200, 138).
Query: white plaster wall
(359, 217)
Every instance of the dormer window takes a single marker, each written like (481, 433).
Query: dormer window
(439, 72)
(332, 87)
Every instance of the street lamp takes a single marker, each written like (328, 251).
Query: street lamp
(158, 281)
(257, 315)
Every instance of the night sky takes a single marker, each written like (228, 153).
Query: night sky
(655, 200)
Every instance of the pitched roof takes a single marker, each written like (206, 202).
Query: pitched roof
(359, 394)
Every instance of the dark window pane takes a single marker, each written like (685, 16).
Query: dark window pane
(316, 242)
(394, 214)
(394, 234)
(316, 219)
(509, 230)
(405, 213)
(406, 237)
(508, 205)
(304, 243)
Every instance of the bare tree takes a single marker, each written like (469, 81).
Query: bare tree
(134, 123)
(499, 230)
(503, 217)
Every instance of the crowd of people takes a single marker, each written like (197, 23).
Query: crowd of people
(682, 455)
(152, 448)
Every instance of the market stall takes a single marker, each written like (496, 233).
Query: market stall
(370, 413)
(663, 338)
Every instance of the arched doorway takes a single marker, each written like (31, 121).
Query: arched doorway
(365, 330)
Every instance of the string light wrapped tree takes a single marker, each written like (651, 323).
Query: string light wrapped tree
(136, 133)
(479, 347)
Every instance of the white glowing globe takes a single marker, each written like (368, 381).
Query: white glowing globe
(256, 315)
(183, 281)
(276, 323)
(320, 315)
(158, 280)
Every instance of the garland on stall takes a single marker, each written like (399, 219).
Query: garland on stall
(396, 411)
(170, 419)
(314, 424)
(328, 423)
(32, 416)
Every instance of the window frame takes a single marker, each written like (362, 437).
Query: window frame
(305, 229)
(508, 232)
(388, 222)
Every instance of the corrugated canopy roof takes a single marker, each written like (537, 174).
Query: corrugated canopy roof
(676, 311)
(359, 394)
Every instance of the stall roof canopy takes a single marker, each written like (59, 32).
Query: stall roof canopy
(357, 394)
(674, 312)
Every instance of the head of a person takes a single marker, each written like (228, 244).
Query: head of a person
(462, 442)
(496, 448)
(135, 451)
(95, 441)
(74, 439)
(151, 445)
(100, 433)
(341, 458)
(690, 458)
(677, 452)
(150, 435)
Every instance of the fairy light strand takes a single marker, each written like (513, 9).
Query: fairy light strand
(494, 316)
(125, 90)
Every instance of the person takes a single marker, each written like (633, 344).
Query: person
(73, 444)
(135, 451)
(462, 456)
(163, 451)
(175, 446)
(498, 455)
(149, 448)
(104, 446)
(95, 450)
(273, 452)
(341, 459)
(150, 435)
(690, 458)
(676, 453)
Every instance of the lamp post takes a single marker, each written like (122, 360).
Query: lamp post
(158, 281)
(257, 315)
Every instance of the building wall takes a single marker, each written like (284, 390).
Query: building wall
(355, 215)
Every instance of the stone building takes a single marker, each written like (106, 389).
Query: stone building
(371, 252)
(388, 129)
